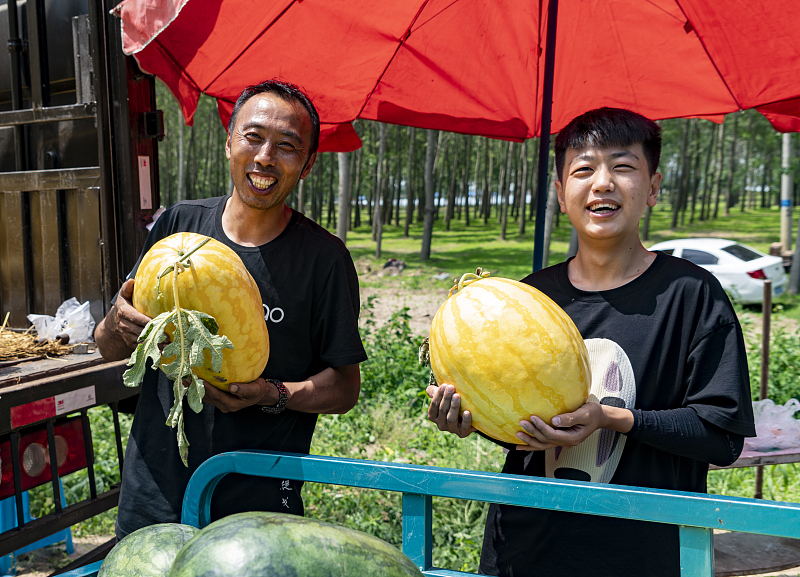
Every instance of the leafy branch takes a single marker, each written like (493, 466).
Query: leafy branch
(193, 335)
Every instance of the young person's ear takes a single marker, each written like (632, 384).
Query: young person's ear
(655, 187)
(562, 204)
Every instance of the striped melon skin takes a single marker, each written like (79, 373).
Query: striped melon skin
(147, 552)
(256, 544)
(218, 284)
(510, 352)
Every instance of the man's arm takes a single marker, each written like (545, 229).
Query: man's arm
(117, 333)
(332, 390)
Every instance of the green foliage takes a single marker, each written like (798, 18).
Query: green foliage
(76, 485)
(783, 381)
(392, 373)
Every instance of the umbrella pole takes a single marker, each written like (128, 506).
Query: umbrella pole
(544, 138)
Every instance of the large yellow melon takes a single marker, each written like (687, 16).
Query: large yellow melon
(217, 283)
(510, 352)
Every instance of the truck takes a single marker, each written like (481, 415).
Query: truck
(79, 132)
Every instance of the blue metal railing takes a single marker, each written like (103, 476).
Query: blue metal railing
(697, 515)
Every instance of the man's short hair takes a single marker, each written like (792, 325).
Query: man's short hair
(604, 127)
(288, 92)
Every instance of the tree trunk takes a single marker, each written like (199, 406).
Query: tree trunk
(301, 187)
(523, 188)
(180, 192)
(330, 217)
(410, 195)
(487, 170)
(345, 189)
(550, 212)
(505, 173)
(705, 205)
(465, 177)
(720, 161)
(682, 177)
(377, 216)
(451, 193)
(730, 195)
(430, 159)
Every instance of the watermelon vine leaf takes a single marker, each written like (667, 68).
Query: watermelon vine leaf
(192, 342)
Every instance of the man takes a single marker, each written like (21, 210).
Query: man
(309, 289)
(677, 328)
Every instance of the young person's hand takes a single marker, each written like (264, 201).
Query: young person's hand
(445, 411)
(569, 429)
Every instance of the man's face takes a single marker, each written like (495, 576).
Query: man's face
(605, 191)
(267, 150)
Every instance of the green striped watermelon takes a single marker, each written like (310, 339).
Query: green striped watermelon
(147, 552)
(256, 544)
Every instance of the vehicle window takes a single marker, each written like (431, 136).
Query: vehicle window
(666, 250)
(699, 256)
(742, 252)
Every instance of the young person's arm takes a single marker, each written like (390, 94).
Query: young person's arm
(680, 431)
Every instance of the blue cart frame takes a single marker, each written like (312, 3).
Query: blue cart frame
(696, 514)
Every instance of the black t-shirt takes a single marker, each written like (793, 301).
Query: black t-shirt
(686, 349)
(309, 288)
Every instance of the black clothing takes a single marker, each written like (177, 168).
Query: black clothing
(682, 432)
(686, 349)
(310, 293)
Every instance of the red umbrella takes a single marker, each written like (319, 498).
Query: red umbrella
(473, 66)
(477, 66)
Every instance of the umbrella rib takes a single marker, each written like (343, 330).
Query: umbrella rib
(400, 44)
(233, 60)
(711, 59)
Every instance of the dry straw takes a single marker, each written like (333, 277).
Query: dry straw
(16, 345)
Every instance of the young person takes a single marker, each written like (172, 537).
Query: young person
(310, 293)
(677, 328)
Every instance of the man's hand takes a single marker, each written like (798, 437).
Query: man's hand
(118, 332)
(445, 411)
(241, 395)
(569, 429)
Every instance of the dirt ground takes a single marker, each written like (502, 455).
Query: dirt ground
(45, 561)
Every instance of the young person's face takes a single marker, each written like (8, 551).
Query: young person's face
(605, 191)
(267, 150)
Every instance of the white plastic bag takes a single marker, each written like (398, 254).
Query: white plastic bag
(776, 427)
(72, 319)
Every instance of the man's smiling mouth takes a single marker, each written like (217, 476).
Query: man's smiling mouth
(261, 182)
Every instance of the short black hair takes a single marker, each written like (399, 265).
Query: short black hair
(288, 92)
(604, 127)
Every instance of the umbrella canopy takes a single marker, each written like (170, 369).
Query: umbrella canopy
(476, 66)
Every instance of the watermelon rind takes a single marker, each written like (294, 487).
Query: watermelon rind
(261, 544)
(147, 552)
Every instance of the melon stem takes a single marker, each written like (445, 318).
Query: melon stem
(467, 279)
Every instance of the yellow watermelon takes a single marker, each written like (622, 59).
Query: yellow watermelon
(510, 352)
(217, 283)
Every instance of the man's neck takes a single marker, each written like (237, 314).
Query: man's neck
(249, 226)
(604, 267)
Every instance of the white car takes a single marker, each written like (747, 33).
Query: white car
(740, 269)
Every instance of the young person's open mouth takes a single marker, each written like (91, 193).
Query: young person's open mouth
(603, 208)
